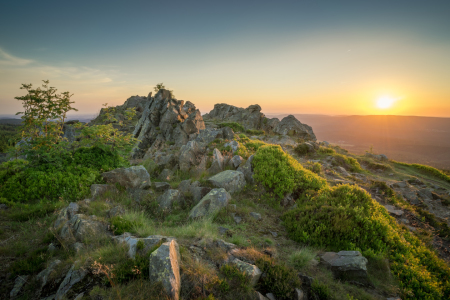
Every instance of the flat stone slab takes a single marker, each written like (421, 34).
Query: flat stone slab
(211, 203)
(232, 181)
(393, 210)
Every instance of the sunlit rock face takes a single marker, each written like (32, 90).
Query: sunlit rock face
(250, 117)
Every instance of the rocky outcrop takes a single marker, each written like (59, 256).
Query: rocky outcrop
(293, 127)
(18, 284)
(164, 268)
(132, 177)
(211, 203)
(166, 120)
(217, 164)
(250, 117)
(191, 156)
(347, 265)
(232, 181)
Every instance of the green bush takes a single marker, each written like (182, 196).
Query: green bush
(325, 150)
(233, 125)
(316, 168)
(282, 173)
(346, 218)
(31, 264)
(66, 175)
(280, 280)
(346, 162)
(321, 290)
(301, 149)
(120, 225)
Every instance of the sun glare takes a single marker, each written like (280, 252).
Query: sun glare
(385, 102)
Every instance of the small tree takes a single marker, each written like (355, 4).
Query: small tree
(160, 86)
(107, 136)
(44, 117)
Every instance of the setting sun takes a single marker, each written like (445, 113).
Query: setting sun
(385, 102)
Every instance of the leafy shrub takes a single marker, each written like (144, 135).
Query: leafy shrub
(233, 125)
(325, 150)
(282, 173)
(346, 162)
(321, 290)
(316, 168)
(346, 218)
(120, 225)
(235, 278)
(66, 175)
(301, 149)
(280, 280)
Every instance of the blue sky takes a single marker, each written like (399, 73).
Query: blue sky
(331, 57)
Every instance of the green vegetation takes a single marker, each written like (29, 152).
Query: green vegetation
(301, 258)
(9, 136)
(254, 132)
(301, 149)
(280, 279)
(233, 125)
(325, 150)
(66, 175)
(347, 218)
(427, 170)
(279, 171)
(347, 162)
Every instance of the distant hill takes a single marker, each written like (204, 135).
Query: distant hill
(423, 140)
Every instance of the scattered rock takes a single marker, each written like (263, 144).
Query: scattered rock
(237, 219)
(43, 276)
(3, 206)
(293, 127)
(80, 227)
(393, 210)
(425, 194)
(132, 177)
(161, 186)
(273, 233)
(217, 164)
(72, 277)
(270, 296)
(233, 145)
(258, 296)
(255, 215)
(65, 214)
(247, 169)
(211, 203)
(299, 295)
(164, 268)
(167, 199)
(148, 243)
(232, 181)
(235, 161)
(165, 175)
(343, 171)
(223, 230)
(250, 270)
(18, 284)
(116, 211)
(347, 265)
(99, 189)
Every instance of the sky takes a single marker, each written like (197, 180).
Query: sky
(303, 57)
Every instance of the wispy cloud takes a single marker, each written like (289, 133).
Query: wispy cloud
(11, 60)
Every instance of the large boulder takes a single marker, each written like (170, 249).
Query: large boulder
(188, 189)
(79, 227)
(250, 117)
(44, 275)
(293, 127)
(211, 203)
(166, 120)
(347, 265)
(164, 268)
(232, 181)
(132, 177)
